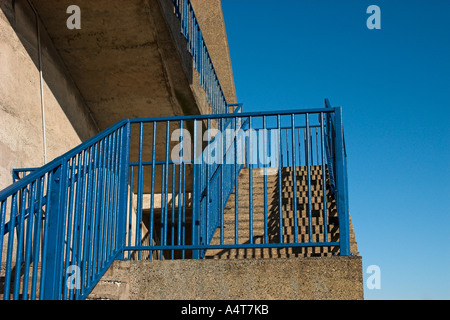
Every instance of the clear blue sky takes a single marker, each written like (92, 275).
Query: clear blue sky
(394, 87)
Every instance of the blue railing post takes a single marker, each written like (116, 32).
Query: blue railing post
(123, 188)
(195, 192)
(52, 283)
(341, 184)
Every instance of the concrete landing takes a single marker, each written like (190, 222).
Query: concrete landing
(326, 278)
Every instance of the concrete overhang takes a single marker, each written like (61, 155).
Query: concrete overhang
(124, 58)
(128, 60)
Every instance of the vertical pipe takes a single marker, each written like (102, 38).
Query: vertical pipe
(69, 224)
(76, 218)
(172, 224)
(236, 186)
(98, 206)
(308, 158)
(265, 178)
(111, 213)
(130, 211)
(180, 178)
(183, 205)
(163, 206)
(222, 178)
(28, 248)
(6, 290)
(294, 178)
(116, 195)
(324, 187)
(86, 226)
(123, 178)
(107, 198)
(41, 82)
(101, 203)
(101, 196)
(250, 172)
(180, 172)
(19, 250)
(287, 148)
(2, 225)
(166, 192)
(37, 239)
(299, 148)
(140, 191)
(94, 188)
(317, 147)
(42, 291)
(280, 187)
(152, 196)
(195, 195)
(207, 218)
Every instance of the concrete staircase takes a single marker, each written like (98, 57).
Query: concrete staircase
(123, 279)
(287, 208)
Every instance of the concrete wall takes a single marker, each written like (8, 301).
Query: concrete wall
(330, 278)
(67, 118)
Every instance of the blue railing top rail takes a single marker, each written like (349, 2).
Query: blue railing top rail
(231, 115)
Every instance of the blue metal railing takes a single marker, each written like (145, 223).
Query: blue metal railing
(60, 224)
(182, 221)
(190, 28)
(157, 188)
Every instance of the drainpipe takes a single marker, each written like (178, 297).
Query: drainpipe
(41, 80)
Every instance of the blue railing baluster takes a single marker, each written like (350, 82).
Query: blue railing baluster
(130, 209)
(69, 227)
(7, 284)
(180, 180)
(294, 179)
(166, 185)
(37, 242)
(172, 223)
(20, 244)
(266, 239)
(140, 190)
(222, 180)
(250, 179)
(308, 167)
(31, 202)
(280, 177)
(236, 187)
(152, 191)
(324, 184)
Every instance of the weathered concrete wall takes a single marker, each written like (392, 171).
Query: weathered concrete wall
(330, 278)
(67, 118)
